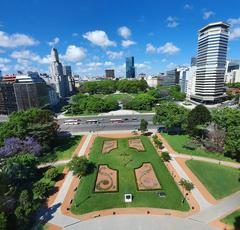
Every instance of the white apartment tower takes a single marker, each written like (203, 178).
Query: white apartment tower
(211, 62)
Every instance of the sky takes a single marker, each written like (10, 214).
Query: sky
(92, 35)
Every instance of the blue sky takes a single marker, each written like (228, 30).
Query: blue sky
(92, 35)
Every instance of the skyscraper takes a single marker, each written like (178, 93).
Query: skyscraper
(109, 73)
(211, 61)
(130, 69)
(59, 79)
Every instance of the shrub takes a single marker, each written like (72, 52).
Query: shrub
(51, 174)
(166, 156)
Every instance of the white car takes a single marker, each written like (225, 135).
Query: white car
(128, 198)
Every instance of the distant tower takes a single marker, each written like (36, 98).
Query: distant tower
(60, 80)
(211, 62)
(130, 69)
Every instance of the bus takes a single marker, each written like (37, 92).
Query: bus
(72, 122)
(116, 120)
(92, 121)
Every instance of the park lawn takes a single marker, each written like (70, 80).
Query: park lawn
(119, 97)
(220, 181)
(232, 219)
(64, 150)
(86, 200)
(179, 144)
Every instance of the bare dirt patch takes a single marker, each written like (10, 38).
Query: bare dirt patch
(136, 144)
(146, 178)
(109, 146)
(106, 179)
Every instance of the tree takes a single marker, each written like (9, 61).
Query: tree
(232, 143)
(3, 221)
(24, 209)
(20, 169)
(166, 156)
(36, 123)
(51, 174)
(142, 101)
(41, 188)
(187, 185)
(226, 117)
(171, 115)
(199, 116)
(143, 125)
(15, 145)
(81, 166)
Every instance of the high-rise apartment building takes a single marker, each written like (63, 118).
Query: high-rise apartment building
(211, 62)
(130, 68)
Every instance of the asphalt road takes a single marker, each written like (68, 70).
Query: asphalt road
(130, 122)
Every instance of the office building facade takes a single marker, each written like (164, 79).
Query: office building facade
(109, 73)
(211, 62)
(130, 68)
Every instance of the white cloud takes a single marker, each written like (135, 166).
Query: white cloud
(114, 55)
(150, 48)
(234, 21)
(172, 22)
(2, 51)
(74, 53)
(45, 60)
(208, 14)
(171, 65)
(4, 60)
(16, 40)
(99, 38)
(124, 32)
(234, 33)
(27, 55)
(188, 7)
(94, 64)
(108, 63)
(4, 67)
(54, 42)
(127, 43)
(168, 48)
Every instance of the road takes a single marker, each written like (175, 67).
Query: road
(130, 122)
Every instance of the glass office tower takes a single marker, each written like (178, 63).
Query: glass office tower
(130, 69)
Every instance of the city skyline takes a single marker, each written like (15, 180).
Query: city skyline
(95, 36)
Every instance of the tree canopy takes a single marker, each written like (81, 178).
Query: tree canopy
(200, 115)
(171, 115)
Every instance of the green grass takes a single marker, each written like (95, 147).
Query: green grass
(119, 97)
(219, 180)
(180, 142)
(64, 150)
(232, 218)
(86, 200)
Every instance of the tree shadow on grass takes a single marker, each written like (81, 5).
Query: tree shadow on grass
(237, 223)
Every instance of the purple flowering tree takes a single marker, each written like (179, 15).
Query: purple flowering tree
(15, 145)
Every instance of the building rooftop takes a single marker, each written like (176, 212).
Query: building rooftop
(214, 24)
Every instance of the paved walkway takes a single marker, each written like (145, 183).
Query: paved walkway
(218, 210)
(53, 214)
(139, 222)
(203, 203)
(206, 159)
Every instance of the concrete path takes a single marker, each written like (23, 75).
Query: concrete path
(53, 214)
(139, 222)
(206, 159)
(203, 203)
(85, 145)
(214, 212)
